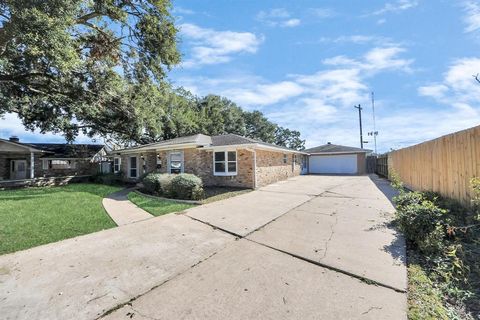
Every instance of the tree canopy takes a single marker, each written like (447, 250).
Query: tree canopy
(99, 67)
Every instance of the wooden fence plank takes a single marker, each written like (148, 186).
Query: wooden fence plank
(444, 165)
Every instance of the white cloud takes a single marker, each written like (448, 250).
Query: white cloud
(395, 7)
(458, 87)
(181, 10)
(361, 39)
(320, 104)
(278, 17)
(321, 13)
(377, 59)
(291, 23)
(209, 46)
(11, 125)
(472, 16)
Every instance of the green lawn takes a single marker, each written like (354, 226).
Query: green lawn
(35, 216)
(157, 207)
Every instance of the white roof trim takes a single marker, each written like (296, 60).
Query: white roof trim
(338, 152)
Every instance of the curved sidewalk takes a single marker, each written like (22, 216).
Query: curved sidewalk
(121, 210)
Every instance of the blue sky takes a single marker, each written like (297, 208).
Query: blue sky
(305, 64)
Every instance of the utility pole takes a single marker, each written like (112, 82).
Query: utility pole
(360, 120)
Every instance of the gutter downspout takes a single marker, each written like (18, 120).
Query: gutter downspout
(254, 169)
(255, 183)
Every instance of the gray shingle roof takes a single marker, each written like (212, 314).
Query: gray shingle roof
(205, 141)
(335, 148)
(64, 150)
(199, 139)
(233, 139)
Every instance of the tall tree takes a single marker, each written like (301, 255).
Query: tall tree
(257, 126)
(289, 138)
(74, 65)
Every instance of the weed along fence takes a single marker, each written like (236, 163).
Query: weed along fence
(444, 165)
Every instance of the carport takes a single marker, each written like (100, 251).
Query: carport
(336, 159)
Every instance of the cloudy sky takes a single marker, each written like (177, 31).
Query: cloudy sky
(305, 64)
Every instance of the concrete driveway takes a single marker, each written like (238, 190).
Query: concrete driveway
(312, 247)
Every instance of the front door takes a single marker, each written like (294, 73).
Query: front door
(19, 169)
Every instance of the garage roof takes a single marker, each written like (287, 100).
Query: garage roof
(335, 148)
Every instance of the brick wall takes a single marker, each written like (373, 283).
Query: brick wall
(200, 163)
(271, 167)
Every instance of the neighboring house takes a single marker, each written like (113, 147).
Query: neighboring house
(225, 160)
(337, 159)
(20, 161)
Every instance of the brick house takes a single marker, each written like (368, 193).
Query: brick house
(20, 161)
(225, 160)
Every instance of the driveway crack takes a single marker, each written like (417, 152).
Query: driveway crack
(332, 232)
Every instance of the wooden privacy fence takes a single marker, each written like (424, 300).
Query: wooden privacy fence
(444, 165)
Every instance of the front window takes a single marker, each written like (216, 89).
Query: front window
(285, 158)
(225, 163)
(176, 162)
(116, 164)
(133, 167)
(58, 164)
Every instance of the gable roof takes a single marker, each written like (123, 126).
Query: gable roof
(15, 144)
(335, 148)
(64, 150)
(204, 141)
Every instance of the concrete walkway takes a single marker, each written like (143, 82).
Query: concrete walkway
(121, 210)
(313, 247)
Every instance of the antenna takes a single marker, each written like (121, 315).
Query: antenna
(374, 133)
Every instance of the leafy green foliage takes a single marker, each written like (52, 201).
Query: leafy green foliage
(186, 186)
(159, 184)
(111, 179)
(420, 220)
(181, 186)
(70, 66)
(443, 237)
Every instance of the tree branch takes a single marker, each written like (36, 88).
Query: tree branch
(477, 77)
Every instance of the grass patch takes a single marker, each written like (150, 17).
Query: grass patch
(213, 194)
(35, 216)
(424, 300)
(157, 207)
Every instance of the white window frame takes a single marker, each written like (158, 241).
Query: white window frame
(226, 161)
(119, 164)
(169, 168)
(285, 158)
(130, 166)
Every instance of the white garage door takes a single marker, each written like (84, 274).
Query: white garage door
(344, 163)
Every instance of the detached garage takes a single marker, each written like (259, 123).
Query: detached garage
(336, 159)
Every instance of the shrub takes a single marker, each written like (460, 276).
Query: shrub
(151, 183)
(420, 221)
(158, 184)
(165, 184)
(111, 179)
(186, 186)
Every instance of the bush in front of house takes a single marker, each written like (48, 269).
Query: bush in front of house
(111, 179)
(151, 183)
(179, 186)
(186, 186)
